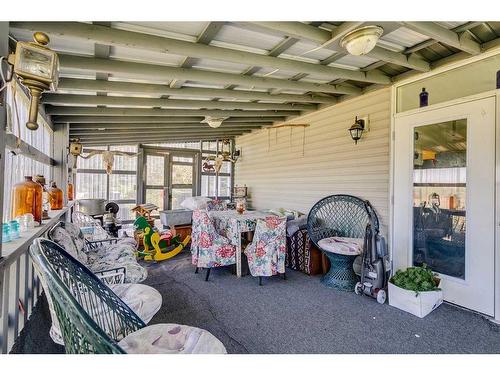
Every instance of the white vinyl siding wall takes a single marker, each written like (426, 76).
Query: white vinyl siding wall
(277, 175)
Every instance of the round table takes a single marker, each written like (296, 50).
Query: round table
(341, 252)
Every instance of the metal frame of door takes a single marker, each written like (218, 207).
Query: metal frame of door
(167, 154)
(400, 258)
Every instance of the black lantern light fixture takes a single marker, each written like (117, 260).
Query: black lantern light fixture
(356, 130)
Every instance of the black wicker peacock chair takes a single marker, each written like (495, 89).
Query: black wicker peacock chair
(340, 215)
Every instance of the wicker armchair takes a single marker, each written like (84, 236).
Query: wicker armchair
(113, 260)
(90, 227)
(340, 216)
(93, 319)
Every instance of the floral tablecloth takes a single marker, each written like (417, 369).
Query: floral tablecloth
(230, 223)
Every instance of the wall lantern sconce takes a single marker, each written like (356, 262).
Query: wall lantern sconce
(37, 68)
(356, 130)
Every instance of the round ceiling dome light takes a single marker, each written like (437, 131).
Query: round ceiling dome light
(214, 122)
(361, 41)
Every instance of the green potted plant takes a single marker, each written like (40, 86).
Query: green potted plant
(415, 290)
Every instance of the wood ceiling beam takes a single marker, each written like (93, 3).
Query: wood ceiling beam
(199, 125)
(161, 73)
(326, 37)
(85, 100)
(206, 37)
(154, 119)
(151, 141)
(140, 132)
(93, 111)
(431, 42)
(75, 84)
(142, 136)
(445, 36)
(116, 37)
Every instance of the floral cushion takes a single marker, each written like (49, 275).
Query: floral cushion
(171, 339)
(209, 248)
(106, 257)
(65, 235)
(266, 254)
(342, 245)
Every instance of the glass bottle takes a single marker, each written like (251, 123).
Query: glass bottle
(27, 199)
(56, 197)
(39, 179)
(14, 229)
(424, 98)
(5, 232)
(70, 190)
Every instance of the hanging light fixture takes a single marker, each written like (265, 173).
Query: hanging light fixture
(361, 41)
(37, 68)
(356, 130)
(213, 122)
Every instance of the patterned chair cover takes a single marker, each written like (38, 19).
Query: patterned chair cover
(91, 228)
(266, 254)
(216, 205)
(209, 248)
(110, 255)
(93, 319)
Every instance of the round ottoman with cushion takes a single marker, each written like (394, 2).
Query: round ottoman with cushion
(171, 339)
(341, 251)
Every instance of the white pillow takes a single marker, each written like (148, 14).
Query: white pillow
(195, 203)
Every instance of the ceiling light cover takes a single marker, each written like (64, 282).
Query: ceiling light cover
(361, 41)
(214, 122)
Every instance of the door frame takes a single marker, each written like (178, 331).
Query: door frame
(488, 94)
(143, 151)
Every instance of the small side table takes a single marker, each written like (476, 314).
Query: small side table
(341, 275)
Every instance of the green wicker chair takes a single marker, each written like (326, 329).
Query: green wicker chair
(340, 215)
(92, 318)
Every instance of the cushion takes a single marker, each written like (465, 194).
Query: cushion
(134, 272)
(144, 300)
(172, 339)
(195, 203)
(60, 235)
(342, 245)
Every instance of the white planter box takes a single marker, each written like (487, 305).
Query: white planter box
(408, 300)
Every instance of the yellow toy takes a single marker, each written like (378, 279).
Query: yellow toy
(159, 247)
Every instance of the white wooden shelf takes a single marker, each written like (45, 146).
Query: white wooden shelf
(10, 249)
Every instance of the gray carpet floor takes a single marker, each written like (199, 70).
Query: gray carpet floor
(297, 315)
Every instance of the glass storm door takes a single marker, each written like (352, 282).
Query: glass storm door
(169, 177)
(444, 198)
(156, 179)
(182, 178)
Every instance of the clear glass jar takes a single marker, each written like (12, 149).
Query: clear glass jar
(27, 199)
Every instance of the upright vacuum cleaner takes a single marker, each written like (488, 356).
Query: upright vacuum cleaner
(375, 265)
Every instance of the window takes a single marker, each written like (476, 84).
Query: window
(212, 184)
(92, 181)
(19, 165)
